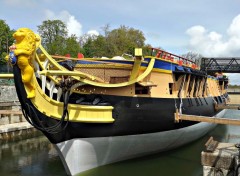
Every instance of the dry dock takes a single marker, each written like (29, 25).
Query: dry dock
(219, 158)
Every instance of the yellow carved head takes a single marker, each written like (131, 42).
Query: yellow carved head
(25, 41)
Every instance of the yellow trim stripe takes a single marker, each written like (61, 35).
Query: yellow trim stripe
(161, 70)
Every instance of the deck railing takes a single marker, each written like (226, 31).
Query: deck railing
(173, 58)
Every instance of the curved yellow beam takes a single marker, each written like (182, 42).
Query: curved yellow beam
(139, 78)
(56, 64)
(82, 76)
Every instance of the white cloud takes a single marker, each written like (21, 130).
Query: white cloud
(233, 78)
(93, 33)
(212, 44)
(234, 29)
(73, 25)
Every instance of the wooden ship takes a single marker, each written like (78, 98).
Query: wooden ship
(98, 111)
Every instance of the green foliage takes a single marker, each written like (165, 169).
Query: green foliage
(233, 86)
(2, 58)
(124, 40)
(147, 51)
(114, 43)
(6, 39)
(72, 46)
(54, 35)
(94, 46)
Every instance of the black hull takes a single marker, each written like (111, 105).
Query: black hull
(133, 115)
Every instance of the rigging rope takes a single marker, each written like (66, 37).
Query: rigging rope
(37, 122)
(180, 94)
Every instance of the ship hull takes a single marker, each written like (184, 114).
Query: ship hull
(142, 125)
(82, 154)
(132, 116)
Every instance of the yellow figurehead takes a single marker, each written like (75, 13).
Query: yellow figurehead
(25, 50)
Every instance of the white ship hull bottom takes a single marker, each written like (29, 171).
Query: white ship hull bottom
(82, 154)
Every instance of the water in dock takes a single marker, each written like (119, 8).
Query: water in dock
(37, 157)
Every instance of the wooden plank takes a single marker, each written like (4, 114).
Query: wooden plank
(211, 144)
(225, 121)
(17, 103)
(209, 141)
(9, 112)
(220, 107)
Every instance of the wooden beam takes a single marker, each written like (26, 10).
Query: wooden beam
(220, 107)
(9, 112)
(211, 144)
(226, 121)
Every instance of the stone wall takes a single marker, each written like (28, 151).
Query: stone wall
(8, 93)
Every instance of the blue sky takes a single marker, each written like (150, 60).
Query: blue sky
(208, 27)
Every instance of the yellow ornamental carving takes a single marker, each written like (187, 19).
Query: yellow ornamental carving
(25, 50)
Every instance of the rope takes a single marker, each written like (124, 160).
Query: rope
(180, 93)
(33, 118)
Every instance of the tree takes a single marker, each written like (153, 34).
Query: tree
(72, 46)
(196, 57)
(147, 51)
(53, 34)
(113, 43)
(94, 46)
(124, 40)
(6, 39)
(106, 29)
